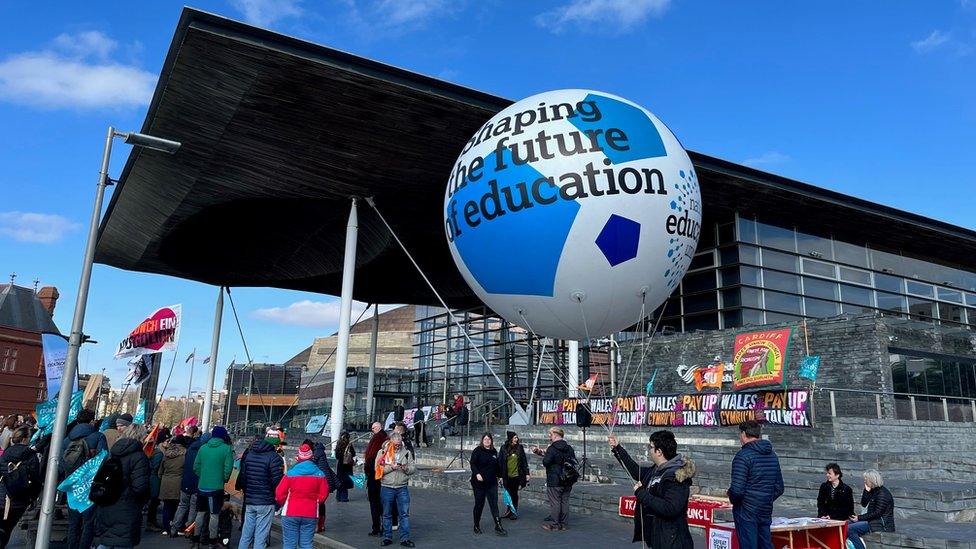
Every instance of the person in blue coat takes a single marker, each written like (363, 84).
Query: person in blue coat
(261, 471)
(756, 483)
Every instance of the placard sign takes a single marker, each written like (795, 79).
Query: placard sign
(627, 506)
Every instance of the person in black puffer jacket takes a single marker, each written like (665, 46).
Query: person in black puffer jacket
(880, 513)
(23, 459)
(757, 481)
(484, 482)
(120, 524)
(261, 471)
(662, 490)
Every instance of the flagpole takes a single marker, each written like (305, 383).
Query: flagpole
(230, 390)
(189, 385)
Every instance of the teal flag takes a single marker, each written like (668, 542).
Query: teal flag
(78, 484)
(140, 417)
(809, 367)
(104, 427)
(46, 412)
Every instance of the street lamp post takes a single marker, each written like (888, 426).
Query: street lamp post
(77, 324)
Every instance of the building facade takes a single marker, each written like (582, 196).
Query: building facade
(394, 382)
(258, 395)
(772, 251)
(24, 316)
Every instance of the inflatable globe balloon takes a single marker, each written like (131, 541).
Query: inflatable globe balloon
(573, 213)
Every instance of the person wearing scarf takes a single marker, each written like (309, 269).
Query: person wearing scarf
(372, 483)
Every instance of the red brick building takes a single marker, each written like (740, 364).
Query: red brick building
(24, 316)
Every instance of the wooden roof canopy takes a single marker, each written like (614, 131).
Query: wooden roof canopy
(278, 133)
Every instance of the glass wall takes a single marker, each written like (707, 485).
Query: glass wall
(935, 375)
(776, 273)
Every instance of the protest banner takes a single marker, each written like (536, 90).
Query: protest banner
(759, 358)
(47, 410)
(140, 417)
(159, 332)
(625, 410)
(78, 484)
(55, 350)
(791, 407)
(686, 409)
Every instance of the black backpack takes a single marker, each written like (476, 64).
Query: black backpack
(109, 482)
(75, 455)
(19, 482)
(568, 472)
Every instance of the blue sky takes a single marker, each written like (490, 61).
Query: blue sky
(869, 100)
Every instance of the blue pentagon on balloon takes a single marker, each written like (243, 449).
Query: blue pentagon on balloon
(618, 239)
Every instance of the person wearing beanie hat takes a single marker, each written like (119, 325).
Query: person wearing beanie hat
(514, 467)
(123, 421)
(220, 432)
(213, 466)
(299, 494)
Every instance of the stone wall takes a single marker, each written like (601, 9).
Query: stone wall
(854, 355)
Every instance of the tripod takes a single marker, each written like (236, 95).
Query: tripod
(585, 460)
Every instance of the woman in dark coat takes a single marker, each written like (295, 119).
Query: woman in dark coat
(484, 482)
(835, 499)
(345, 459)
(880, 513)
(513, 467)
(120, 524)
(171, 476)
(18, 457)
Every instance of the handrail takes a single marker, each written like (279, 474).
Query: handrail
(894, 393)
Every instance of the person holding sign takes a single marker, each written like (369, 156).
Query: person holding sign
(662, 490)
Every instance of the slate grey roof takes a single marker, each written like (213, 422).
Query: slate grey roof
(20, 308)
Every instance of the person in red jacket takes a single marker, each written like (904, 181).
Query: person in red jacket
(299, 494)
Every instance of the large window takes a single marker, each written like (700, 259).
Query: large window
(932, 377)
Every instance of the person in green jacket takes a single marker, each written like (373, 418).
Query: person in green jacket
(213, 465)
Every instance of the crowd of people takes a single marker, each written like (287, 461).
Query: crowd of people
(179, 478)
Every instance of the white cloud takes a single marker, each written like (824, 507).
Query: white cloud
(75, 72)
(624, 14)
(85, 44)
(931, 42)
(313, 314)
(265, 13)
(35, 227)
(767, 158)
(395, 13)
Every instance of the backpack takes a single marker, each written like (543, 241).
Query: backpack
(18, 482)
(108, 484)
(75, 455)
(568, 472)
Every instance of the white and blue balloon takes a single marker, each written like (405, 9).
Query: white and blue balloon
(573, 213)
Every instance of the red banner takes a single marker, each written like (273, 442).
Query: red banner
(760, 358)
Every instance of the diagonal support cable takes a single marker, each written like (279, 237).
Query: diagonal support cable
(450, 312)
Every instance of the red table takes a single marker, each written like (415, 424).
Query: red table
(799, 533)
